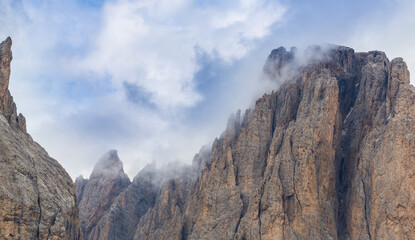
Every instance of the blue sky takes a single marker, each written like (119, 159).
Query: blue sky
(157, 79)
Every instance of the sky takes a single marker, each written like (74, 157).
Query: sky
(157, 79)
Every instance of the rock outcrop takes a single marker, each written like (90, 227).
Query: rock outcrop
(329, 155)
(97, 193)
(7, 105)
(164, 219)
(37, 196)
(119, 219)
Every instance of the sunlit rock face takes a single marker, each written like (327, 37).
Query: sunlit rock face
(328, 155)
(37, 196)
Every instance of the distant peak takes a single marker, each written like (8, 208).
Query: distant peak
(8, 40)
(6, 50)
(6, 44)
(108, 165)
(79, 178)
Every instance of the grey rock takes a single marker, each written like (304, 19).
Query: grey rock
(7, 105)
(37, 196)
(329, 155)
(97, 194)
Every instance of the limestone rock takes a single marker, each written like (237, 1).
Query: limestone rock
(97, 194)
(163, 219)
(120, 219)
(329, 155)
(37, 196)
(7, 105)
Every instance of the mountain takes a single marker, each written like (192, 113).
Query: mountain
(111, 207)
(329, 155)
(96, 194)
(37, 196)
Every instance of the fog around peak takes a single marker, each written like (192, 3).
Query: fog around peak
(108, 165)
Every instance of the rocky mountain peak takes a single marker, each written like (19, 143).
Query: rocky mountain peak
(7, 105)
(6, 58)
(108, 165)
(37, 196)
(334, 145)
(277, 60)
(96, 194)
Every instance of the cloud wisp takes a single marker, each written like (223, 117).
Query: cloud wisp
(124, 74)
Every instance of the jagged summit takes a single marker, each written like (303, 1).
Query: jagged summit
(37, 196)
(7, 105)
(5, 48)
(334, 145)
(108, 165)
(96, 194)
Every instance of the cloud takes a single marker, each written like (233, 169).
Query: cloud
(157, 79)
(92, 76)
(153, 44)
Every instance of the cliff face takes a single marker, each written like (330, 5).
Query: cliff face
(118, 218)
(327, 156)
(96, 195)
(37, 196)
(7, 105)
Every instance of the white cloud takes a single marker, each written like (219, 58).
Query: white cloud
(154, 47)
(71, 63)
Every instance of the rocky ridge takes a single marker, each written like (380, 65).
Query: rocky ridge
(329, 155)
(37, 196)
(118, 218)
(7, 105)
(96, 194)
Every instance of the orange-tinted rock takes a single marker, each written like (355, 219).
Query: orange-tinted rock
(329, 155)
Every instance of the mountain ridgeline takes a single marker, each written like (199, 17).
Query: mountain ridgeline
(329, 155)
(37, 196)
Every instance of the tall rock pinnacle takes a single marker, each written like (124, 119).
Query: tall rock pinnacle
(96, 194)
(7, 105)
(108, 165)
(37, 196)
